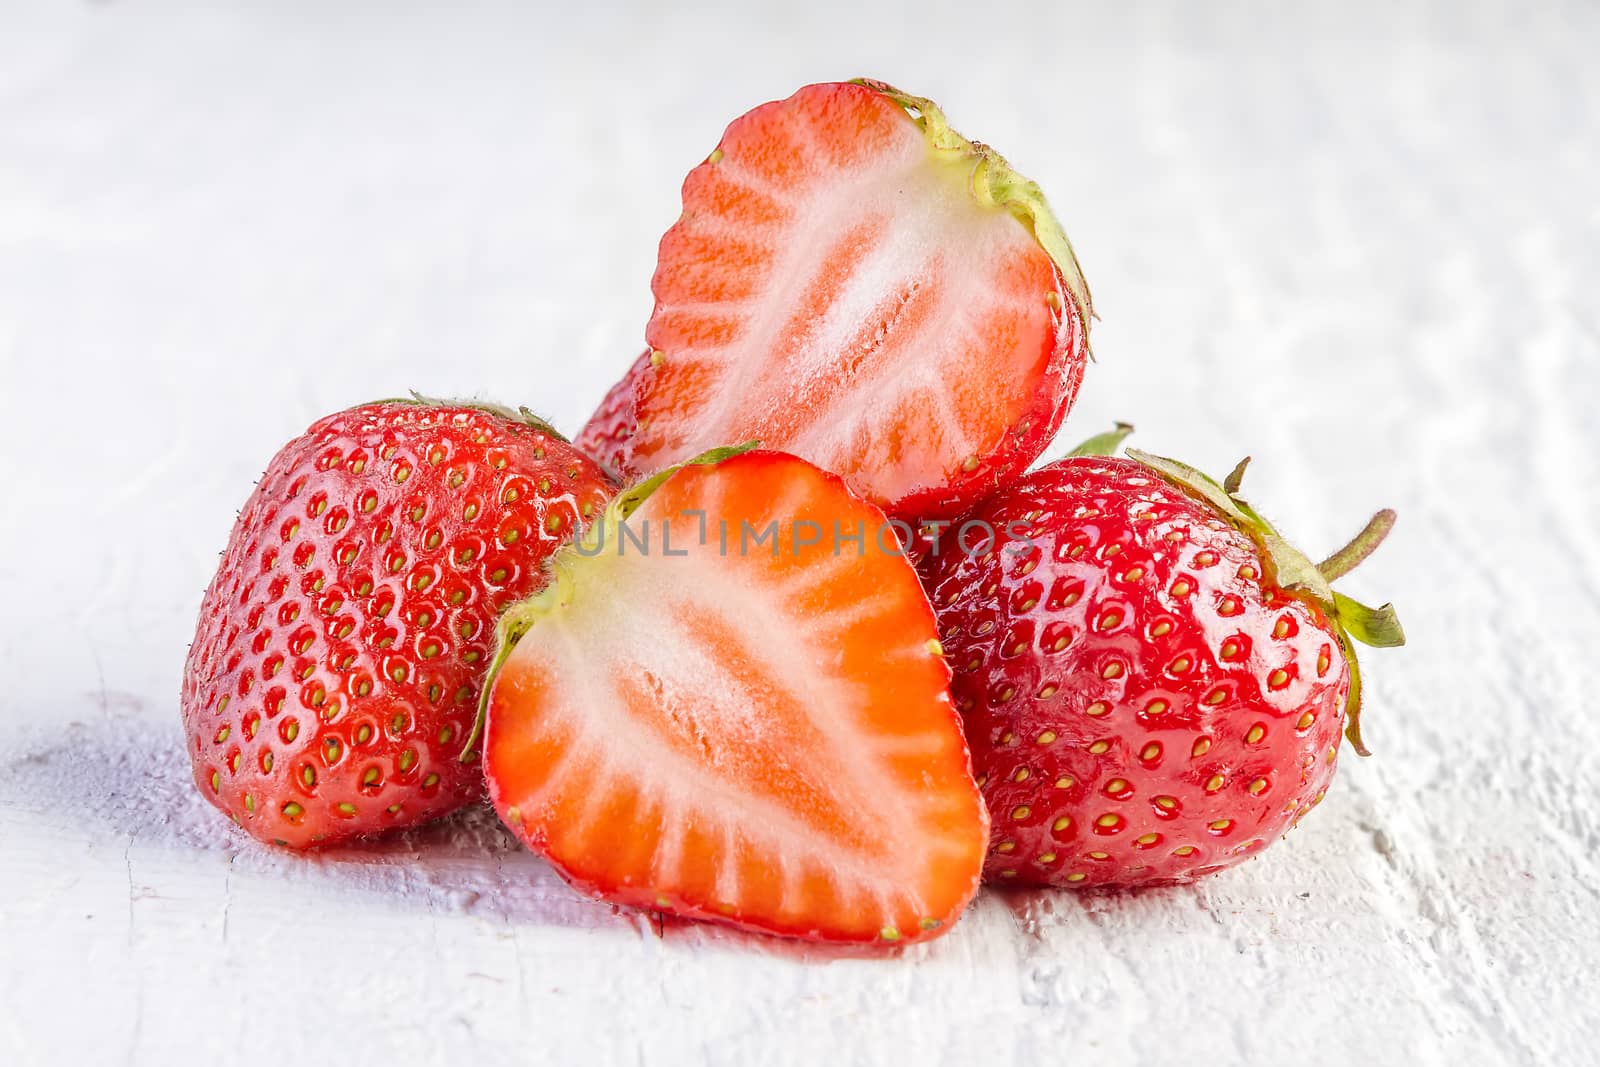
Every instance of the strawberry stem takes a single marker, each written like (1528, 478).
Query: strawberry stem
(1360, 547)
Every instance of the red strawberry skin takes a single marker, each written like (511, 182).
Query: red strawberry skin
(853, 282)
(604, 438)
(335, 670)
(1143, 705)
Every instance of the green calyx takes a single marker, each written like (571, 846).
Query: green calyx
(519, 414)
(627, 502)
(522, 616)
(1103, 444)
(995, 184)
(1292, 570)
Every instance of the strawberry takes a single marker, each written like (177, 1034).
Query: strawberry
(336, 666)
(854, 282)
(604, 438)
(1153, 681)
(751, 731)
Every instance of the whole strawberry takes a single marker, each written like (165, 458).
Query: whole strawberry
(335, 670)
(1153, 682)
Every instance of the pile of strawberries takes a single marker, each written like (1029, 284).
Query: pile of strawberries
(789, 637)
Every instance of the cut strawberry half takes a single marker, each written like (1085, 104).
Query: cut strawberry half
(693, 721)
(854, 282)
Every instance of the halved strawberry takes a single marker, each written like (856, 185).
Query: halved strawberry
(854, 282)
(754, 731)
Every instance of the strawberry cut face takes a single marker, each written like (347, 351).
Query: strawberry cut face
(867, 290)
(759, 735)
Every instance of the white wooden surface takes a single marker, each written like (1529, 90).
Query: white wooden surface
(1362, 245)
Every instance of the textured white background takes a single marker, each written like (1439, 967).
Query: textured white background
(1362, 245)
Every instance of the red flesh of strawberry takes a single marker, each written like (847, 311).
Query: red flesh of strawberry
(761, 737)
(335, 670)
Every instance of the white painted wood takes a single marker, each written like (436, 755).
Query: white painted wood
(1361, 244)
